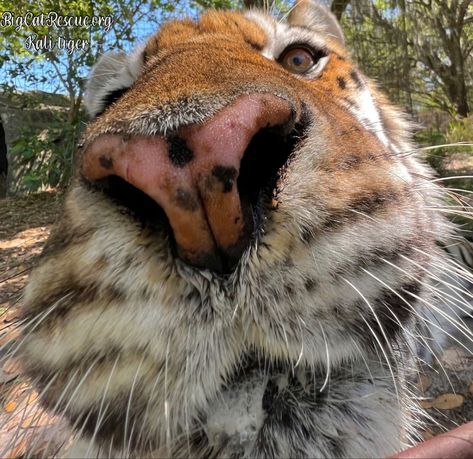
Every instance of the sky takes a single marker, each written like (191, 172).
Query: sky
(40, 75)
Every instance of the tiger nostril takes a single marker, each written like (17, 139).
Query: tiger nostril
(194, 175)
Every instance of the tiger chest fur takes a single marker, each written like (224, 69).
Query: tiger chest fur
(241, 254)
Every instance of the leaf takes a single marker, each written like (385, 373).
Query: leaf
(32, 397)
(424, 382)
(10, 406)
(448, 401)
(30, 421)
(426, 404)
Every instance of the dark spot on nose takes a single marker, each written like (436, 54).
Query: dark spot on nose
(179, 153)
(226, 176)
(106, 163)
(186, 200)
(342, 84)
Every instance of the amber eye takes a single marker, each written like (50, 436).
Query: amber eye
(301, 60)
(298, 59)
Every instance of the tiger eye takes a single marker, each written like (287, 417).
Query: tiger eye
(297, 60)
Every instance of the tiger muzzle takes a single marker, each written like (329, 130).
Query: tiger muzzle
(193, 176)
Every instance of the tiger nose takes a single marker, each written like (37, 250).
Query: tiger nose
(193, 176)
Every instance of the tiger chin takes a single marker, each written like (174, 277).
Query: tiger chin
(243, 254)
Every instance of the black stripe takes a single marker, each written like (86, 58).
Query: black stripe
(393, 309)
(355, 76)
(342, 84)
(367, 204)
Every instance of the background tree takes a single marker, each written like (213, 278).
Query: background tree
(43, 156)
(64, 71)
(3, 162)
(419, 49)
(444, 46)
(419, 52)
(338, 7)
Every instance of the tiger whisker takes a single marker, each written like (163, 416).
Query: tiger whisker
(102, 411)
(447, 297)
(412, 309)
(74, 393)
(460, 327)
(39, 318)
(404, 153)
(166, 402)
(127, 413)
(327, 356)
(157, 379)
(20, 435)
(43, 391)
(375, 335)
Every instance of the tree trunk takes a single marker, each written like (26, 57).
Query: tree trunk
(463, 108)
(254, 3)
(457, 93)
(3, 163)
(338, 7)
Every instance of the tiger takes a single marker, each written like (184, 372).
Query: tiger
(246, 251)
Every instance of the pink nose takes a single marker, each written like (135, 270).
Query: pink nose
(193, 175)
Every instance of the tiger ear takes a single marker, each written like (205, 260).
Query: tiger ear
(310, 13)
(110, 77)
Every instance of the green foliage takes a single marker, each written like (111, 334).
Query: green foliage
(44, 157)
(454, 157)
(217, 4)
(392, 40)
(421, 52)
(436, 157)
(461, 130)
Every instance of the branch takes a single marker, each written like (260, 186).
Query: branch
(338, 7)
(60, 76)
(253, 3)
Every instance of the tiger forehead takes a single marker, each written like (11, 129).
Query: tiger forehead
(231, 24)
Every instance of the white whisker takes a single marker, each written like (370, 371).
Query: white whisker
(381, 347)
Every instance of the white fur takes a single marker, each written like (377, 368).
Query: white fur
(114, 70)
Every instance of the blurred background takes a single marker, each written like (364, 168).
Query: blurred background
(419, 52)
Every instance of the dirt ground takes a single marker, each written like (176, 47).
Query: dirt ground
(25, 222)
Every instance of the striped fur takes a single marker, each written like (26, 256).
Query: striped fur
(305, 348)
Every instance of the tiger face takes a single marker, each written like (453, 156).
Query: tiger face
(241, 253)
